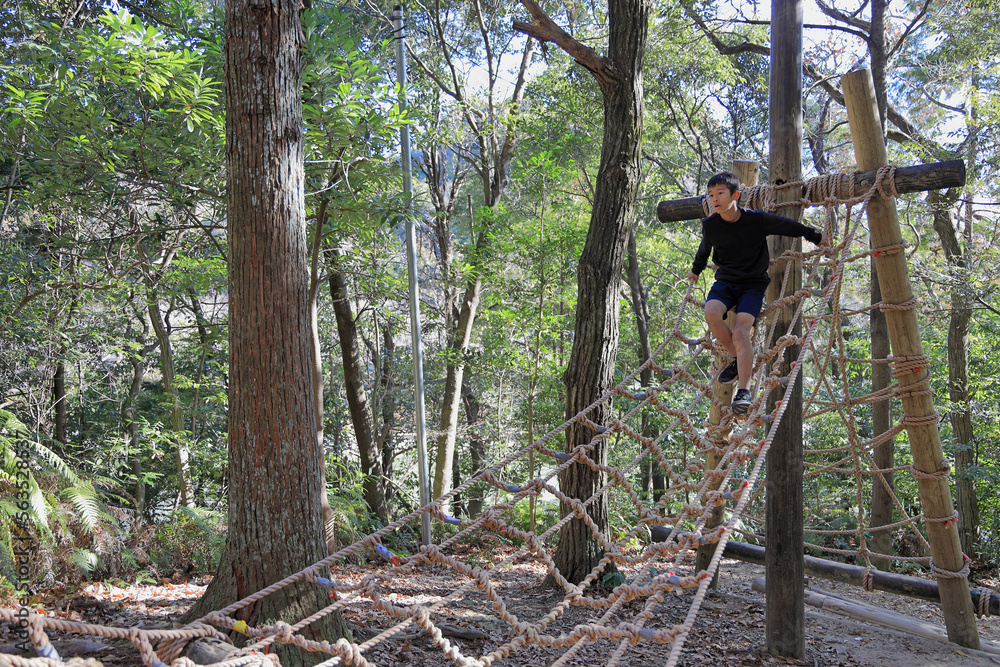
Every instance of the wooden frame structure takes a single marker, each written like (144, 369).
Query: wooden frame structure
(785, 625)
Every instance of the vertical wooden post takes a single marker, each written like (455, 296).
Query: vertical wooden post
(785, 588)
(748, 171)
(904, 334)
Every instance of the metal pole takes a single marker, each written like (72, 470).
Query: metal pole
(414, 288)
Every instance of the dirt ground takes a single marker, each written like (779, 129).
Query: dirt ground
(729, 630)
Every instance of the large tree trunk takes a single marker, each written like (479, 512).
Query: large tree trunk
(590, 372)
(357, 397)
(962, 433)
(275, 475)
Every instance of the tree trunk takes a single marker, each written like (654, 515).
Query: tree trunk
(357, 397)
(176, 413)
(477, 449)
(653, 478)
(59, 398)
(386, 442)
(962, 432)
(883, 486)
(883, 455)
(590, 372)
(137, 360)
(494, 158)
(458, 346)
(275, 474)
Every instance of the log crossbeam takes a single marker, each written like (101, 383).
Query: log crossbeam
(916, 178)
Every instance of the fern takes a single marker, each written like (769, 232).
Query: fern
(57, 497)
(84, 498)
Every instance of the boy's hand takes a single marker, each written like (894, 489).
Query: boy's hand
(692, 276)
(825, 240)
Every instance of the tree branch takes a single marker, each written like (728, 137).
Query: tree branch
(721, 46)
(838, 15)
(544, 29)
(910, 28)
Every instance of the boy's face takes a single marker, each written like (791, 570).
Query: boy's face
(722, 200)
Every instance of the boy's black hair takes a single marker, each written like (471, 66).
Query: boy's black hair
(727, 178)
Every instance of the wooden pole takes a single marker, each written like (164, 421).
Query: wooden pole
(904, 334)
(747, 171)
(785, 615)
(917, 178)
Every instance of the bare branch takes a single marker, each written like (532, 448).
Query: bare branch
(917, 20)
(849, 19)
(722, 47)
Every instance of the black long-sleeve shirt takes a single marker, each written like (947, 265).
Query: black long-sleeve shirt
(741, 247)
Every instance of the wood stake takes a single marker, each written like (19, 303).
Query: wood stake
(904, 333)
(786, 615)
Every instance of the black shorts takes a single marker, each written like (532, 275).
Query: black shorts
(745, 299)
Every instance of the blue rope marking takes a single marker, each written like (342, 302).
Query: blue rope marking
(49, 651)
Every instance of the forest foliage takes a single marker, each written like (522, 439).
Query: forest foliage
(114, 349)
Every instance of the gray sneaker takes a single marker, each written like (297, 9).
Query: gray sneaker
(742, 401)
(729, 373)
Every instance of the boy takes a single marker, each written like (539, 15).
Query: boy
(739, 239)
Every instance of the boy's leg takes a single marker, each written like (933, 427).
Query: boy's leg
(744, 347)
(714, 312)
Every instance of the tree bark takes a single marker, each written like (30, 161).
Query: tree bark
(960, 414)
(883, 486)
(275, 474)
(590, 372)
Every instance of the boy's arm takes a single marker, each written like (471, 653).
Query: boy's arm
(782, 226)
(700, 257)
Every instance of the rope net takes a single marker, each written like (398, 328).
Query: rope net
(686, 516)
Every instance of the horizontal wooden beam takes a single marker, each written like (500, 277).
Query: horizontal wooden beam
(917, 178)
(900, 584)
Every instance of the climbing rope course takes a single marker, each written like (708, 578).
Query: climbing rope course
(633, 611)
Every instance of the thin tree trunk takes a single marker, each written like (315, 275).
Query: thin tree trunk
(883, 486)
(960, 415)
(318, 385)
(386, 442)
(654, 477)
(493, 160)
(458, 347)
(59, 398)
(357, 397)
(137, 360)
(176, 411)
(477, 449)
